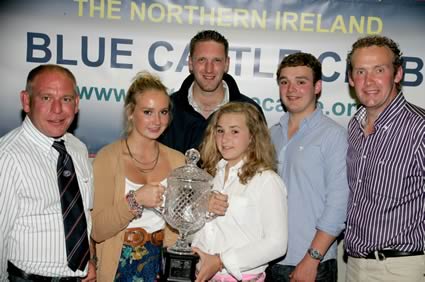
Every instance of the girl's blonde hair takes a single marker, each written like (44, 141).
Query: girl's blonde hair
(260, 154)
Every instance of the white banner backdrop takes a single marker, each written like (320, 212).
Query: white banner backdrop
(106, 42)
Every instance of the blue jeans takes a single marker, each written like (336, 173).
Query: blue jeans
(326, 272)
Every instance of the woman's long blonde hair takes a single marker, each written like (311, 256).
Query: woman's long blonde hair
(260, 154)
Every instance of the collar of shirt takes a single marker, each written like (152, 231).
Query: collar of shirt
(196, 106)
(219, 181)
(386, 117)
(309, 121)
(39, 139)
(221, 165)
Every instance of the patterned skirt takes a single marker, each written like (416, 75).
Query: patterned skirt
(139, 264)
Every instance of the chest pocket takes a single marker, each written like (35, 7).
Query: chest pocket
(242, 210)
(303, 156)
(400, 190)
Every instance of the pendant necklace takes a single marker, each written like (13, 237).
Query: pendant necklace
(137, 163)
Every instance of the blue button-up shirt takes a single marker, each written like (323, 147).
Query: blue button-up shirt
(312, 165)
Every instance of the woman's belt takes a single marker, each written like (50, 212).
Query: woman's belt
(138, 237)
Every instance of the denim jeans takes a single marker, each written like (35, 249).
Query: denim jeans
(326, 272)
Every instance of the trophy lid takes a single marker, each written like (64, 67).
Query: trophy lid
(190, 172)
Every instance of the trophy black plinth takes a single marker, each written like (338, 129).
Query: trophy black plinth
(178, 268)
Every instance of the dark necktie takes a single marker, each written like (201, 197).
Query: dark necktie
(74, 219)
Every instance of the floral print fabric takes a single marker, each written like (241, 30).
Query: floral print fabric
(139, 264)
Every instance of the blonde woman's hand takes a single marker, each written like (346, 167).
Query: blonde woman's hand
(150, 195)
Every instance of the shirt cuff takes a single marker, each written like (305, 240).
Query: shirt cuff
(230, 260)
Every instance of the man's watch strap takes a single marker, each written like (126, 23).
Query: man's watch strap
(315, 254)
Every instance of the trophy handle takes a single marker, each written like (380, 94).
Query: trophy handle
(161, 209)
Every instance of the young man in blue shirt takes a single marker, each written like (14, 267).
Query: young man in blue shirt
(311, 150)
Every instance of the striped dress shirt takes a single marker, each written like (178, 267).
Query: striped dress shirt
(31, 224)
(386, 176)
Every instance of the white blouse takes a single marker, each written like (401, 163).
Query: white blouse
(151, 220)
(254, 229)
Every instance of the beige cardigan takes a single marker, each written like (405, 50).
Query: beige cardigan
(111, 214)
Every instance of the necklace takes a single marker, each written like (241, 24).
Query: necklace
(137, 163)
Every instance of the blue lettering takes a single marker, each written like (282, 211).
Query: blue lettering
(43, 47)
(115, 53)
(338, 109)
(268, 104)
(183, 59)
(257, 59)
(413, 71)
(101, 95)
(84, 52)
(119, 96)
(60, 59)
(336, 58)
(151, 55)
(265, 102)
(279, 107)
(352, 108)
(84, 94)
(238, 58)
(38, 43)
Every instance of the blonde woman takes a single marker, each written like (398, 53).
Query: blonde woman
(129, 176)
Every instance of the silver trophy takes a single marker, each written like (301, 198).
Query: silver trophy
(186, 210)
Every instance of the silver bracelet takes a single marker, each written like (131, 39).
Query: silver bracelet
(135, 208)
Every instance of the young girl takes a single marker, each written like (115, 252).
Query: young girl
(238, 152)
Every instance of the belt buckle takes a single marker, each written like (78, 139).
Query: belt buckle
(157, 238)
(136, 237)
(379, 256)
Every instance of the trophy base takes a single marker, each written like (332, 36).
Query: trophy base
(178, 268)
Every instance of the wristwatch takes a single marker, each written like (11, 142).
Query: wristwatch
(315, 254)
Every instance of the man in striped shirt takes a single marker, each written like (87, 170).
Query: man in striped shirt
(32, 236)
(385, 231)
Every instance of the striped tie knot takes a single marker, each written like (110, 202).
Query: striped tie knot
(60, 147)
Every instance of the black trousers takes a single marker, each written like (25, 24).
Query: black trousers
(18, 275)
(326, 272)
